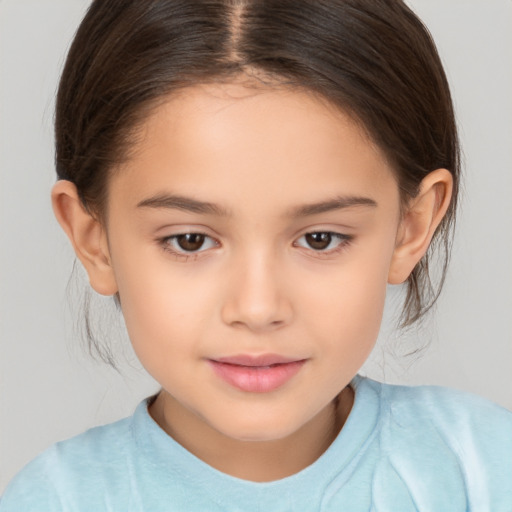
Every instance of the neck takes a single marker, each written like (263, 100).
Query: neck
(258, 461)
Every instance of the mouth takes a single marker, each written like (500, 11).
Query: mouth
(256, 374)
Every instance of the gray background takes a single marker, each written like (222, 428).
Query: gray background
(50, 389)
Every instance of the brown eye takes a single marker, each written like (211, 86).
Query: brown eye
(190, 242)
(186, 244)
(326, 242)
(319, 241)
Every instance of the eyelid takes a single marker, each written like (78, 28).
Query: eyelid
(165, 243)
(343, 241)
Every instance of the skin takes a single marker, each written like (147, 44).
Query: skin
(256, 286)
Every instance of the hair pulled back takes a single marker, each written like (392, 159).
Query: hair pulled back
(374, 59)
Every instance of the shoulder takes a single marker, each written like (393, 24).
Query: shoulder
(455, 434)
(457, 416)
(450, 410)
(53, 480)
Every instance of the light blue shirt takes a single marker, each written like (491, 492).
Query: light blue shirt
(402, 449)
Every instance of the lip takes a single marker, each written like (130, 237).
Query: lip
(261, 360)
(256, 374)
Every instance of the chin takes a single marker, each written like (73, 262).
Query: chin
(257, 429)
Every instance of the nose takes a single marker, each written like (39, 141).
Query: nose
(256, 297)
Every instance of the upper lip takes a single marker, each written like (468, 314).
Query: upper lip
(260, 360)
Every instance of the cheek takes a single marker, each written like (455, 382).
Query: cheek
(162, 307)
(353, 309)
(346, 304)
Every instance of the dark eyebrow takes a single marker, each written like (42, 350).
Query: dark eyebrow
(177, 202)
(337, 203)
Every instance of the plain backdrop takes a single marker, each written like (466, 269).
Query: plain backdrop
(50, 389)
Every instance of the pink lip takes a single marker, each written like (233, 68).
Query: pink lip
(256, 374)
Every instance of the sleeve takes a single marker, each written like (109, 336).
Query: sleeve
(480, 433)
(32, 490)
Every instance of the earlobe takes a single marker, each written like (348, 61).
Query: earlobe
(87, 236)
(423, 216)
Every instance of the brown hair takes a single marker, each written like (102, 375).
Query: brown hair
(374, 59)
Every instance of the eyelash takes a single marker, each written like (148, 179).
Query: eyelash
(185, 255)
(344, 241)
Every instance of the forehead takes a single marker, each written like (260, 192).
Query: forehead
(261, 142)
(217, 113)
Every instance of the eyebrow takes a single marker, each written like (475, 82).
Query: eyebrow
(177, 202)
(337, 203)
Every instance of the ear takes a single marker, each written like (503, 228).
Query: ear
(87, 236)
(420, 220)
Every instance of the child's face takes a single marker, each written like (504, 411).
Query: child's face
(253, 172)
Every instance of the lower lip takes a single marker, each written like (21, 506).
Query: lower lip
(257, 379)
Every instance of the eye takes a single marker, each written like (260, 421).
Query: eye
(189, 243)
(323, 241)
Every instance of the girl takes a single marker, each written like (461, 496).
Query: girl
(245, 179)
